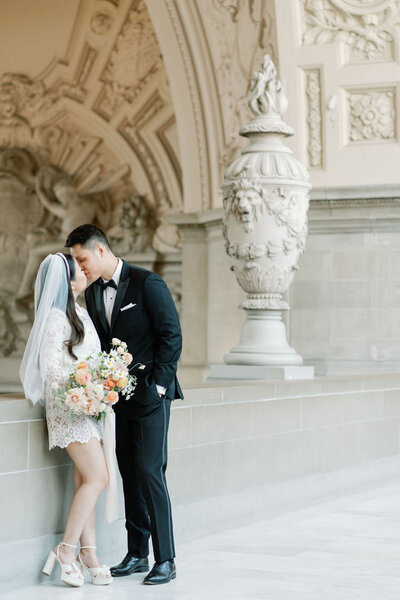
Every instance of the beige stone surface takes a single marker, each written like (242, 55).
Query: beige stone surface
(39, 454)
(49, 491)
(23, 24)
(10, 410)
(344, 316)
(13, 447)
(341, 548)
(381, 438)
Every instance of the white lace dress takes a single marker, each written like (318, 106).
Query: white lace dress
(56, 364)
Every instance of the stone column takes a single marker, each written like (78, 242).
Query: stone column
(266, 198)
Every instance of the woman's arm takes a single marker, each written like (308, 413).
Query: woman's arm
(52, 349)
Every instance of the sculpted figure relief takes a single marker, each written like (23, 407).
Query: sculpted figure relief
(136, 225)
(141, 227)
(58, 195)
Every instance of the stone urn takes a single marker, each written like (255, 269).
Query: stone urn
(266, 198)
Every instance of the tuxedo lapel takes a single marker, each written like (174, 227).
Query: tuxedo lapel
(100, 309)
(121, 291)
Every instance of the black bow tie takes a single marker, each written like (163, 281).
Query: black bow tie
(105, 284)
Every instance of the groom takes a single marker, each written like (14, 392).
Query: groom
(135, 305)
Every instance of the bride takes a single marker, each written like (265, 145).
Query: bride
(62, 334)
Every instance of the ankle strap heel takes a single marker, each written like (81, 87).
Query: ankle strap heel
(100, 575)
(70, 574)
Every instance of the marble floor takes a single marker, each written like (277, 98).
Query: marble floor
(347, 548)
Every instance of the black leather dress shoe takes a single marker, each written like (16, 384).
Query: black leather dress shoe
(130, 564)
(161, 573)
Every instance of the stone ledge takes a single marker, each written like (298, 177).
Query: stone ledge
(362, 192)
(15, 407)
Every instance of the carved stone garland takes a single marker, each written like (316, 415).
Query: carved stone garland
(266, 198)
(369, 29)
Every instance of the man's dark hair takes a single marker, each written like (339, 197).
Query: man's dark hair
(88, 236)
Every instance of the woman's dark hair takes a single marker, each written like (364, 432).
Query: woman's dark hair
(77, 329)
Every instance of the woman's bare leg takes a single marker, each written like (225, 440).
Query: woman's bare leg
(89, 461)
(88, 535)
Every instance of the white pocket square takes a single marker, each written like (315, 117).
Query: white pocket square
(128, 306)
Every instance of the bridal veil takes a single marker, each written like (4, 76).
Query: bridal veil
(51, 291)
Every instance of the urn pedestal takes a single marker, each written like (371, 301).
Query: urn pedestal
(266, 198)
(263, 341)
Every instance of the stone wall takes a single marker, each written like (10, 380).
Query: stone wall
(345, 296)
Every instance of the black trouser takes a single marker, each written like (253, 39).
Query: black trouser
(141, 447)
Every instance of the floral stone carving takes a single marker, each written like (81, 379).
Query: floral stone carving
(314, 117)
(372, 115)
(368, 28)
(266, 198)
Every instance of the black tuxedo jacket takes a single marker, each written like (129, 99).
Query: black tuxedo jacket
(150, 328)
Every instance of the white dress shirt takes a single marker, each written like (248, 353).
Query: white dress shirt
(110, 293)
(109, 299)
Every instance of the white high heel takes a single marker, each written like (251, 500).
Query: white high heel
(70, 574)
(100, 575)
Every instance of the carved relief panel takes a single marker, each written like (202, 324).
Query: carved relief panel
(371, 115)
(367, 29)
(339, 58)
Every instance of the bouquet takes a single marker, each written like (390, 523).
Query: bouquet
(95, 384)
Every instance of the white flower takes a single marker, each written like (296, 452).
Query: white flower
(115, 341)
(120, 350)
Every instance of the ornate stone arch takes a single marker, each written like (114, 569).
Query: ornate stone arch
(210, 50)
(190, 71)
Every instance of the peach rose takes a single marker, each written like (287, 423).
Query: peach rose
(75, 399)
(112, 397)
(82, 377)
(128, 358)
(110, 383)
(83, 365)
(122, 382)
